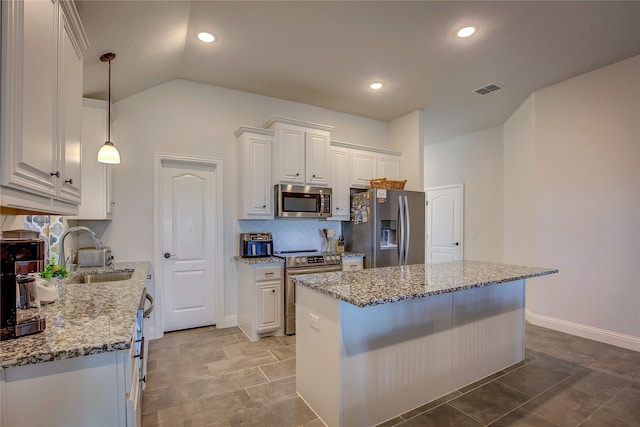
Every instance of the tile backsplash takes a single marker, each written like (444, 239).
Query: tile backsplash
(291, 234)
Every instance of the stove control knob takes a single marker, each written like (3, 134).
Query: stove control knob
(298, 261)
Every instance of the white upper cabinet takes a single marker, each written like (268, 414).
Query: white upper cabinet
(366, 163)
(42, 45)
(97, 188)
(255, 173)
(301, 152)
(339, 183)
(69, 111)
(364, 166)
(388, 166)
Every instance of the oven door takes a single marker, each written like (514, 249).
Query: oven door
(290, 292)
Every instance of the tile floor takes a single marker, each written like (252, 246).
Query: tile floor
(217, 378)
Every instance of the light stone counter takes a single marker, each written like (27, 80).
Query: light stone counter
(260, 260)
(86, 319)
(389, 284)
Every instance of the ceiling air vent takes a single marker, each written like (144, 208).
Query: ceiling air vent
(487, 89)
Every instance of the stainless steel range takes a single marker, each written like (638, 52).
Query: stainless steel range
(303, 262)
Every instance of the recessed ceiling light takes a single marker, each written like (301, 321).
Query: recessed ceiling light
(376, 85)
(466, 32)
(205, 37)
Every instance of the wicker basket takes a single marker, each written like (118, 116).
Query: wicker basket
(387, 183)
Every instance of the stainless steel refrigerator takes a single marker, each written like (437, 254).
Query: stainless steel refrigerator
(387, 226)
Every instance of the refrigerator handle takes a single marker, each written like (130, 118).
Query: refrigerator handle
(407, 231)
(401, 216)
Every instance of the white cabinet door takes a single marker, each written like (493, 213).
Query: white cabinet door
(388, 167)
(97, 197)
(301, 152)
(269, 303)
(255, 180)
(339, 183)
(69, 114)
(363, 168)
(29, 70)
(291, 156)
(317, 157)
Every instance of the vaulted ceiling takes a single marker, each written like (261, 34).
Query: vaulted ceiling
(325, 53)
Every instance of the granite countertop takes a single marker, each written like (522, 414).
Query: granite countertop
(390, 284)
(86, 319)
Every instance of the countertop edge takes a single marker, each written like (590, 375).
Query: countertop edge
(311, 282)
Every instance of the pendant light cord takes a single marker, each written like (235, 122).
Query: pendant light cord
(109, 106)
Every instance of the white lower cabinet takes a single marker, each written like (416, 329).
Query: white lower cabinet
(352, 263)
(95, 390)
(260, 299)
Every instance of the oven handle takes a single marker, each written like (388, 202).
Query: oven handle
(310, 270)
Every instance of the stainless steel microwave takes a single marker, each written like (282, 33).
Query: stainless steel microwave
(298, 201)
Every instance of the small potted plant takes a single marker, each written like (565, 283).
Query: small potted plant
(52, 269)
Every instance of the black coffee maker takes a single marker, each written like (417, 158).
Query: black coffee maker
(19, 304)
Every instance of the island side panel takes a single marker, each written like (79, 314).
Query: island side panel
(488, 333)
(318, 353)
(395, 357)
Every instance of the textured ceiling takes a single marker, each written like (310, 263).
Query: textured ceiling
(326, 53)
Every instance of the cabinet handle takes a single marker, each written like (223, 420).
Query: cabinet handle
(69, 181)
(264, 206)
(297, 174)
(273, 290)
(56, 174)
(314, 175)
(269, 274)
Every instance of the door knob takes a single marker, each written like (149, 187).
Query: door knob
(167, 255)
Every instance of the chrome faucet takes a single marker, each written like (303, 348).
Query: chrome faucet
(61, 259)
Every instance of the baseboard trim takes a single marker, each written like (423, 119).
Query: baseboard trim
(228, 322)
(609, 337)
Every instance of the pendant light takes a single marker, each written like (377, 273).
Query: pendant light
(108, 153)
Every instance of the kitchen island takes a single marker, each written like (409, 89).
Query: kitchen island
(375, 343)
(80, 370)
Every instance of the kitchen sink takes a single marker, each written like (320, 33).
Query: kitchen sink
(105, 276)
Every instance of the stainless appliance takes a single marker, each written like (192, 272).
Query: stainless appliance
(297, 201)
(91, 257)
(303, 262)
(387, 226)
(255, 245)
(20, 306)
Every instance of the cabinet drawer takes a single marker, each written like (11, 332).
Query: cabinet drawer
(268, 273)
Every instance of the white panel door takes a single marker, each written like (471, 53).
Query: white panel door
(187, 241)
(444, 223)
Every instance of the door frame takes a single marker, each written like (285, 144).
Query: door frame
(218, 188)
(460, 187)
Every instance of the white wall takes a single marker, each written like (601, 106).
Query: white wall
(406, 136)
(181, 117)
(474, 159)
(583, 193)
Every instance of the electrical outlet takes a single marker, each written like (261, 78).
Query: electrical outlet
(314, 321)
